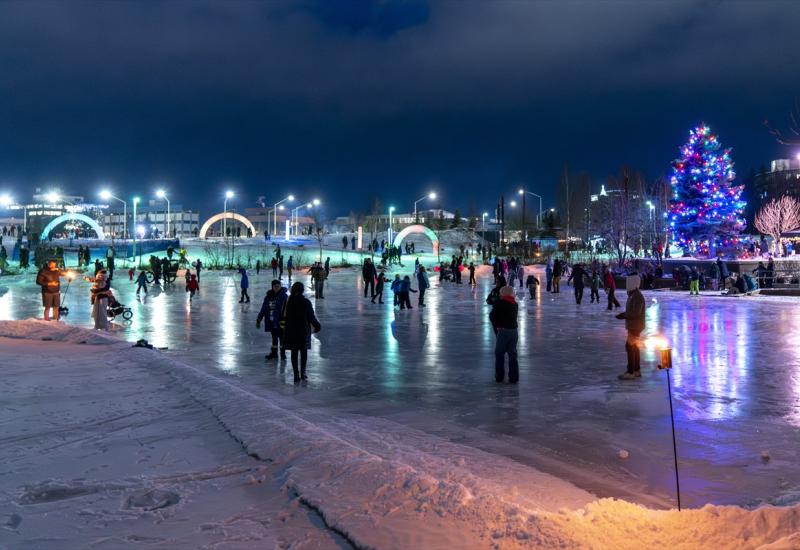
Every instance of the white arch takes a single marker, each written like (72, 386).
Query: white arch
(55, 222)
(226, 215)
(418, 229)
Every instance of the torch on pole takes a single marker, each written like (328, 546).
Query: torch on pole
(666, 364)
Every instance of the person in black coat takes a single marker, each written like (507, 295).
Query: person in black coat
(272, 313)
(369, 274)
(577, 277)
(299, 319)
(504, 322)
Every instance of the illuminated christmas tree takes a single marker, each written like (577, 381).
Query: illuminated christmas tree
(706, 208)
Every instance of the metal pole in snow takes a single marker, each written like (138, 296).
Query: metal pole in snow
(666, 364)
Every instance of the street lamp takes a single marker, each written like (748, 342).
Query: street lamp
(389, 233)
(312, 204)
(105, 194)
(228, 195)
(161, 194)
(5, 200)
(290, 198)
(135, 203)
(52, 197)
(523, 192)
(483, 225)
(430, 195)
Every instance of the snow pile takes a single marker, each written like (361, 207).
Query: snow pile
(386, 486)
(36, 329)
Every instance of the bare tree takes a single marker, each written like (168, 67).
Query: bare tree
(777, 217)
(319, 229)
(623, 214)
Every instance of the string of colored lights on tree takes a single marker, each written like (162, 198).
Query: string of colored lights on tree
(706, 208)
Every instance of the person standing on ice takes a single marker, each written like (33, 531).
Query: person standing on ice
(595, 287)
(244, 284)
(395, 288)
(382, 280)
(504, 321)
(274, 264)
(422, 284)
(368, 273)
(141, 282)
(548, 273)
(280, 266)
(191, 286)
(494, 295)
(299, 319)
(271, 313)
(532, 282)
(634, 316)
(404, 290)
(198, 265)
(520, 273)
(577, 277)
(557, 271)
(258, 267)
(100, 293)
(694, 281)
(610, 286)
(327, 266)
(472, 274)
(49, 278)
(290, 268)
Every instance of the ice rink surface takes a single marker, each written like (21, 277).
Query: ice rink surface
(735, 377)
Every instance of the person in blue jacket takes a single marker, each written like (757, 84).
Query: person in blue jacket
(404, 289)
(244, 284)
(271, 313)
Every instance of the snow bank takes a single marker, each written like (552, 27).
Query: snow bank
(386, 486)
(55, 331)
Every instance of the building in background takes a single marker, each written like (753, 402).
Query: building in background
(783, 178)
(153, 219)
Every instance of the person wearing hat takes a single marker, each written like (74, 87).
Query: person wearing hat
(634, 323)
(504, 321)
(271, 313)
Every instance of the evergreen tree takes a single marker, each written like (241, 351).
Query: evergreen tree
(706, 208)
(456, 223)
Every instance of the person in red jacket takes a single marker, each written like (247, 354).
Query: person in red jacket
(610, 286)
(192, 286)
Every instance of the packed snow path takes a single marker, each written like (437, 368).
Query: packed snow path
(735, 378)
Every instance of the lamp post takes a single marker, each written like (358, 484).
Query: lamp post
(312, 204)
(524, 192)
(228, 195)
(389, 234)
(483, 225)
(290, 198)
(105, 194)
(135, 202)
(161, 194)
(430, 195)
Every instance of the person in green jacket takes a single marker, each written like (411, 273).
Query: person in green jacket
(634, 316)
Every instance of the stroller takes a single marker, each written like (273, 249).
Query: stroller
(115, 308)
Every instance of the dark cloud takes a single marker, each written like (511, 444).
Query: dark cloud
(381, 97)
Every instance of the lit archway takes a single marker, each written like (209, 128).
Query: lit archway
(55, 222)
(226, 215)
(418, 230)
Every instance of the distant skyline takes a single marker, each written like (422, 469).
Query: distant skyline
(347, 101)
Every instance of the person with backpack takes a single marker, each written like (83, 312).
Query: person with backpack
(299, 321)
(634, 316)
(271, 313)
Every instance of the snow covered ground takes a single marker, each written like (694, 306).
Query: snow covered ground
(400, 410)
(110, 446)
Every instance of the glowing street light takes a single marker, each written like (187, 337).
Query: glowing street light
(161, 194)
(135, 201)
(312, 204)
(483, 225)
(524, 192)
(389, 233)
(105, 194)
(5, 200)
(431, 195)
(228, 195)
(290, 198)
(52, 197)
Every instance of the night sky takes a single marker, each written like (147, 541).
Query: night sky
(353, 100)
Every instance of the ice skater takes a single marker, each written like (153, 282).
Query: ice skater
(244, 284)
(531, 283)
(141, 283)
(299, 320)
(577, 277)
(504, 321)
(422, 284)
(634, 316)
(271, 313)
(382, 280)
(404, 290)
(192, 286)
